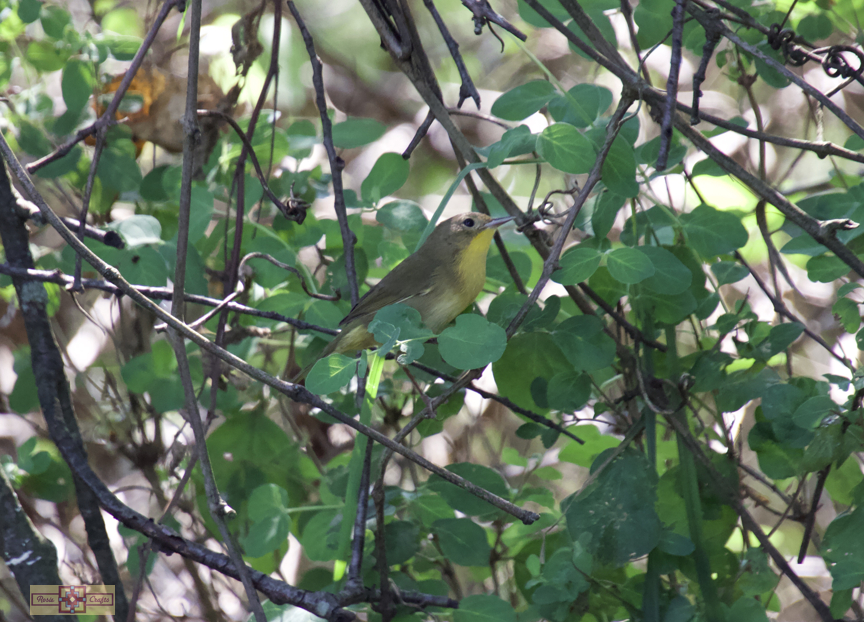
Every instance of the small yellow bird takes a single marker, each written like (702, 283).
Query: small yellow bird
(440, 279)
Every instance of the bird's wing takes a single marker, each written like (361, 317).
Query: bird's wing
(385, 292)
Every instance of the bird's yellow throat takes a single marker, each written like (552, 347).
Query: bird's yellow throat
(471, 264)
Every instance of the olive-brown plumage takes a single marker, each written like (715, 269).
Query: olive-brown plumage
(440, 279)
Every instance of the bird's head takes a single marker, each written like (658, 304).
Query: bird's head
(471, 229)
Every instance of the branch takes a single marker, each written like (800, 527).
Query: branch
(336, 163)
(295, 209)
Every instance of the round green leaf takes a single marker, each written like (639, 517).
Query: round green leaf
(331, 373)
(847, 311)
(533, 17)
(712, 232)
(28, 10)
(809, 414)
(45, 57)
(484, 608)
(629, 266)
(462, 541)
(568, 391)
(583, 342)
(402, 540)
(566, 149)
(617, 510)
(619, 169)
(524, 100)
(138, 230)
(402, 216)
(582, 105)
(576, 265)
(357, 132)
(76, 85)
(388, 174)
(670, 276)
(472, 343)
(728, 272)
(826, 268)
(271, 522)
(536, 353)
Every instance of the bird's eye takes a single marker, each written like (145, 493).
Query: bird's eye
(468, 222)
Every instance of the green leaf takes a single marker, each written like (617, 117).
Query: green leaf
(758, 577)
(516, 141)
(654, 18)
(45, 57)
(629, 266)
(331, 373)
(138, 230)
(271, 522)
(604, 212)
(582, 105)
(55, 20)
(843, 549)
(815, 28)
(389, 173)
(566, 149)
(585, 454)
(484, 608)
(666, 308)
(729, 272)
(462, 541)
(569, 391)
(712, 232)
(64, 165)
(402, 216)
(472, 343)
(399, 323)
(847, 312)
(532, 17)
(577, 264)
(826, 269)
(28, 10)
(401, 540)
(772, 76)
(357, 132)
(584, 343)
(118, 170)
(528, 356)
(619, 169)
(748, 609)
(670, 276)
(320, 537)
(675, 544)
(523, 101)
(782, 336)
(617, 510)
(76, 85)
(463, 501)
(811, 413)
(122, 47)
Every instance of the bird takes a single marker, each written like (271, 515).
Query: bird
(440, 279)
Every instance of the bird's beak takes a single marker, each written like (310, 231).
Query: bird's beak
(497, 222)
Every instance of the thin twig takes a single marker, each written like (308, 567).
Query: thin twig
(672, 83)
(295, 209)
(336, 163)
